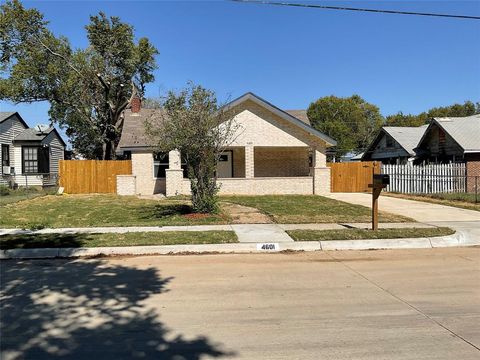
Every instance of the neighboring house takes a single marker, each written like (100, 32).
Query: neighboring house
(350, 157)
(274, 152)
(29, 156)
(455, 139)
(394, 145)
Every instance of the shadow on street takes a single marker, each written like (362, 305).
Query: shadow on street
(67, 309)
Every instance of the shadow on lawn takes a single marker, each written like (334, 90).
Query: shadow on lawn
(34, 241)
(87, 310)
(161, 211)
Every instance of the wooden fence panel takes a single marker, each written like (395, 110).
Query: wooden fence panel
(92, 176)
(353, 176)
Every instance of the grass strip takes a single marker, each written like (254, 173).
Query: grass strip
(112, 239)
(459, 200)
(301, 209)
(362, 234)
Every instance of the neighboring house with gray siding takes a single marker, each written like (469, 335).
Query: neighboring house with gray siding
(274, 152)
(29, 156)
(394, 145)
(454, 139)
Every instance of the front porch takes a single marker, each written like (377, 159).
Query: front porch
(252, 170)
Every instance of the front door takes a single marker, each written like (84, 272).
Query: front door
(225, 168)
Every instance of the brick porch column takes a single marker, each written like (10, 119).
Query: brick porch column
(249, 161)
(321, 173)
(174, 174)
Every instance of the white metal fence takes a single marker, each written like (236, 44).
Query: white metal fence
(426, 179)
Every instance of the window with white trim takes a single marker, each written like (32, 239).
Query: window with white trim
(5, 155)
(35, 160)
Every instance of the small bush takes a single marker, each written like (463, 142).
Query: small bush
(4, 190)
(35, 226)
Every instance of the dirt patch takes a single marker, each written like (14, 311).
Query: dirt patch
(245, 215)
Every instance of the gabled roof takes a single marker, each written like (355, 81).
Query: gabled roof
(407, 136)
(4, 115)
(36, 135)
(465, 131)
(283, 114)
(133, 133)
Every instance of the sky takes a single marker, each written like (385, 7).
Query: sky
(292, 56)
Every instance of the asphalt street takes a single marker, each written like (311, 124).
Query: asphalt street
(391, 304)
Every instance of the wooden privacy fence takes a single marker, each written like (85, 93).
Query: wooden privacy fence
(353, 176)
(426, 179)
(92, 176)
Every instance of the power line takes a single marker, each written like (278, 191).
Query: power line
(325, 7)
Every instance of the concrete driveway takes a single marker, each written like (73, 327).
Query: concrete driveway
(415, 304)
(466, 222)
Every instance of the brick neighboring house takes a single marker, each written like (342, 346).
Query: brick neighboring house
(455, 139)
(274, 152)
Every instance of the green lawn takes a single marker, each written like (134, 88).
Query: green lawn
(461, 200)
(358, 234)
(127, 239)
(100, 210)
(285, 209)
(8, 196)
(111, 210)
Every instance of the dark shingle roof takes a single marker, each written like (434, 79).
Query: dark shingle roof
(33, 134)
(4, 115)
(133, 133)
(300, 115)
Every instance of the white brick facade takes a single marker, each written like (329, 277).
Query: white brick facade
(270, 155)
(126, 185)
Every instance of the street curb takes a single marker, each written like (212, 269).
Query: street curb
(373, 244)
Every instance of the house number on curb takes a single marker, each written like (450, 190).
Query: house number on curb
(267, 247)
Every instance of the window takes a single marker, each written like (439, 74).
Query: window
(5, 155)
(36, 160)
(160, 164)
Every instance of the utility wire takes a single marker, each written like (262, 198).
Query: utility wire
(325, 7)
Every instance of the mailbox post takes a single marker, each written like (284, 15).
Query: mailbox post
(380, 181)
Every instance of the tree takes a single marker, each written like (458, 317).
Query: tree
(152, 103)
(351, 121)
(88, 89)
(196, 125)
(456, 110)
(401, 119)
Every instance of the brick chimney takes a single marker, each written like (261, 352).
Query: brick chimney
(136, 104)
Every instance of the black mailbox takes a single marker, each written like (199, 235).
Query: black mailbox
(381, 180)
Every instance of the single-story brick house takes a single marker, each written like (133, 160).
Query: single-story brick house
(274, 152)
